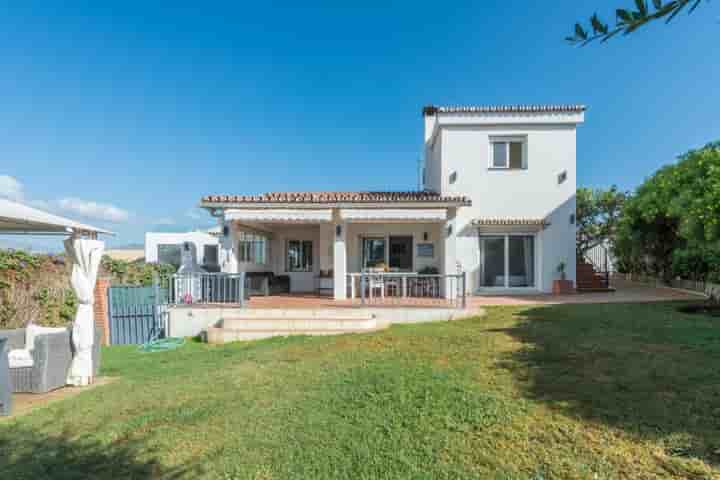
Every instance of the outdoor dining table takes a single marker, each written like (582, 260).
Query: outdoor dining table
(403, 283)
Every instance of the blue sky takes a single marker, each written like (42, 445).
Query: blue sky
(125, 115)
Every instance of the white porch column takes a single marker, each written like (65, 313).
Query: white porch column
(228, 244)
(449, 260)
(340, 261)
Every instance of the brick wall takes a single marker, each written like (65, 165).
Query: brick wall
(101, 309)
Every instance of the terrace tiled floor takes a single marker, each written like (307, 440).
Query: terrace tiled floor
(626, 292)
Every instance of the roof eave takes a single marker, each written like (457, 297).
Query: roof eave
(319, 205)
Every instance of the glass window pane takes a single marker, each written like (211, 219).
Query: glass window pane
(492, 265)
(521, 253)
(299, 256)
(499, 154)
(373, 252)
(210, 254)
(307, 256)
(400, 255)
(516, 155)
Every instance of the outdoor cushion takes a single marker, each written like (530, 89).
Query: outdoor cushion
(34, 330)
(19, 358)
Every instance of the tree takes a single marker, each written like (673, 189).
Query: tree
(629, 20)
(598, 212)
(671, 226)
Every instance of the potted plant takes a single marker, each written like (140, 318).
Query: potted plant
(562, 286)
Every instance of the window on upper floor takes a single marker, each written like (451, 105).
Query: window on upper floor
(508, 153)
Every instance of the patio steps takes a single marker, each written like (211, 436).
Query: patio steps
(254, 324)
(588, 280)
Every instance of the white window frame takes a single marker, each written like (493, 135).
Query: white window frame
(506, 262)
(246, 251)
(507, 140)
(386, 253)
(307, 263)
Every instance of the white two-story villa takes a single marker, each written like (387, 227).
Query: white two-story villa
(498, 205)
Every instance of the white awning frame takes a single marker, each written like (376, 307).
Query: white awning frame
(396, 215)
(19, 219)
(279, 215)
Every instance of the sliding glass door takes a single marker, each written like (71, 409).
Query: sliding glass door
(394, 252)
(373, 252)
(492, 261)
(507, 261)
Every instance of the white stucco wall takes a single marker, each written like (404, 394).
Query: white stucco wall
(199, 239)
(530, 193)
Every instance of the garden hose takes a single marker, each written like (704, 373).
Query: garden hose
(161, 345)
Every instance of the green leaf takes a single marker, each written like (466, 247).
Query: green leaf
(624, 15)
(580, 32)
(657, 4)
(642, 8)
(598, 26)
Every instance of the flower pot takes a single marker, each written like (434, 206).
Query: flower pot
(562, 287)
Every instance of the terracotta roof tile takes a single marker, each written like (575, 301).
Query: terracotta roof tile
(431, 109)
(508, 221)
(337, 197)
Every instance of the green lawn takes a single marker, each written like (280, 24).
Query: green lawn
(583, 391)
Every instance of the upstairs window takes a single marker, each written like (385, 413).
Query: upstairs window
(508, 154)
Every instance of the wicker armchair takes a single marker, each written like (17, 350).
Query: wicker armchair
(5, 387)
(51, 360)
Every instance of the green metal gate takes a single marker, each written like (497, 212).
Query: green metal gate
(137, 314)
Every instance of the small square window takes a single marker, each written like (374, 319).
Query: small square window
(508, 153)
(562, 177)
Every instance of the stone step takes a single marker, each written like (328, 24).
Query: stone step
(305, 324)
(224, 335)
(301, 313)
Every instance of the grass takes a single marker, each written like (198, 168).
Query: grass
(582, 391)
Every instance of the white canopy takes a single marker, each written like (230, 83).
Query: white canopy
(393, 214)
(281, 215)
(16, 218)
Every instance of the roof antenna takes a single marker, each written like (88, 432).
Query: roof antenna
(419, 173)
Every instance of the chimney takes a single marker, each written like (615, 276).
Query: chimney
(430, 116)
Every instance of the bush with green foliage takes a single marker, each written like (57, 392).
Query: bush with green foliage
(671, 226)
(136, 272)
(34, 288)
(598, 212)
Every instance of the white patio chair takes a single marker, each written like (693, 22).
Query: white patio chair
(376, 282)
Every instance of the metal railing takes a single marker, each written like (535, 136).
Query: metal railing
(599, 257)
(409, 288)
(205, 288)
